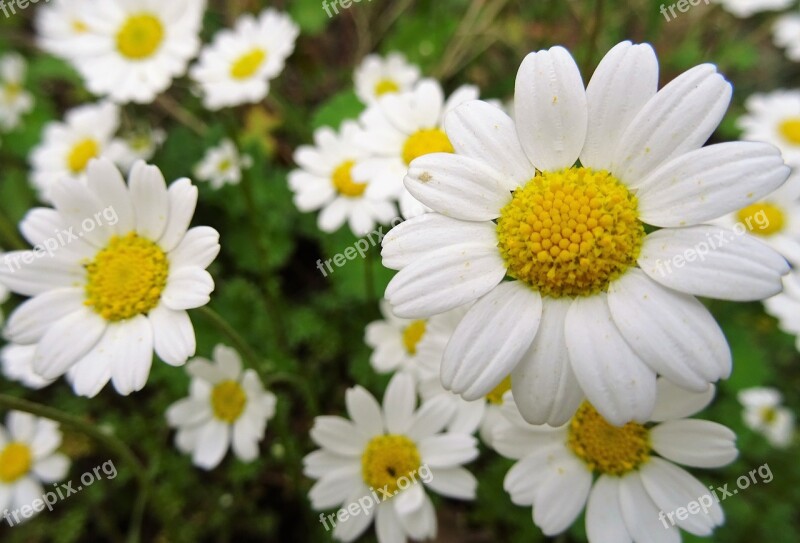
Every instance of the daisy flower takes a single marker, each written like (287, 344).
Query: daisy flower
(399, 128)
(28, 458)
(238, 66)
(15, 101)
(593, 300)
(67, 147)
(774, 118)
(377, 76)
(62, 28)
(638, 483)
(227, 407)
(383, 461)
(763, 413)
(748, 8)
(786, 306)
(394, 342)
(105, 300)
(222, 165)
(786, 33)
(325, 181)
(17, 366)
(140, 144)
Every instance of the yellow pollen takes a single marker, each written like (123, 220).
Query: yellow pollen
(80, 155)
(126, 278)
(424, 142)
(387, 459)
(140, 36)
(790, 130)
(412, 335)
(605, 448)
(762, 218)
(11, 91)
(225, 165)
(228, 401)
(496, 395)
(343, 180)
(769, 414)
(570, 232)
(79, 27)
(248, 64)
(386, 86)
(15, 462)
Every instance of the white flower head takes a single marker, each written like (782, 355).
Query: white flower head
(62, 28)
(140, 144)
(15, 101)
(786, 34)
(589, 286)
(774, 118)
(222, 165)
(238, 66)
(378, 76)
(17, 365)
(748, 8)
(763, 413)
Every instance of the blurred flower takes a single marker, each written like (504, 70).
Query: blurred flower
(222, 164)
(28, 458)
(15, 101)
(635, 488)
(746, 8)
(399, 128)
(395, 451)
(62, 28)
(763, 413)
(238, 66)
(17, 365)
(67, 147)
(590, 287)
(786, 33)
(139, 145)
(119, 287)
(377, 76)
(325, 182)
(774, 118)
(227, 407)
(786, 306)
(3, 297)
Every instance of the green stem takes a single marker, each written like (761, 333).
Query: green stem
(238, 341)
(299, 384)
(591, 46)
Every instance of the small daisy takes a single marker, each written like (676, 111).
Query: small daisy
(238, 66)
(222, 165)
(786, 33)
(17, 365)
(67, 147)
(748, 8)
(325, 181)
(774, 118)
(141, 144)
(15, 101)
(385, 458)
(394, 342)
(763, 413)
(28, 458)
(376, 76)
(635, 489)
(227, 407)
(593, 300)
(106, 300)
(62, 28)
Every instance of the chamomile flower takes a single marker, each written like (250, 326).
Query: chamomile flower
(325, 181)
(140, 144)
(67, 147)
(589, 302)
(774, 118)
(394, 342)
(17, 365)
(378, 76)
(28, 458)
(763, 413)
(748, 8)
(222, 165)
(15, 101)
(638, 481)
(238, 66)
(399, 128)
(386, 457)
(111, 296)
(62, 28)
(227, 407)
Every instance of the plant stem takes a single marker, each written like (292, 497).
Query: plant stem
(238, 341)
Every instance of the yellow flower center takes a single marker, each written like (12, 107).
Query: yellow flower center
(228, 400)
(225, 165)
(343, 180)
(387, 459)
(126, 278)
(606, 448)
(762, 218)
(496, 395)
(140, 36)
(15, 461)
(790, 130)
(424, 142)
(768, 415)
(80, 155)
(11, 91)
(248, 64)
(79, 27)
(412, 335)
(386, 86)
(570, 232)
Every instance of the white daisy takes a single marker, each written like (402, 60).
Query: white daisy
(238, 66)
(786, 306)
(28, 458)
(377, 76)
(386, 458)
(786, 33)
(62, 28)
(17, 365)
(140, 144)
(399, 128)
(747, 8)
(103, 302)
(394, 342)
(763, 413)
(637, 493)
(15, 101)
(222, 165)
(67, 147)
(774, 118)
(593, 301)
(325, 182)
(227, 407)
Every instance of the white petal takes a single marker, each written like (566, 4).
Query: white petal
(641, 514)
(228, 361)
(387, 525)
(431, 418)
(106, 182)
(182, 196)
(187, 288)
(212, 444)
(52, 469)
(149, 195)
(338, 435)
(173, 335)
(456, 483)
(448, 450)
(695, 443)
(67, 341)
(674, 402)
(604, 521)
(31, 320)
(134, 355)
(38, 274)
(364, 410)
(398, 404)
(562, 494)
(199, 247)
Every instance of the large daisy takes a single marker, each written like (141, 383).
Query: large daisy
(378, 76)
(639, 487)
(15, 101)
(765, 414)
(593, 298)
(774, 118)
(104, 301)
